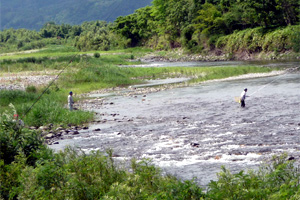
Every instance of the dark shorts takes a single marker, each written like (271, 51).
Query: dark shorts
(243, 103)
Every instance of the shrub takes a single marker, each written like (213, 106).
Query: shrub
(31, 89)
(15, 140)
(97, 55)
(278, 180)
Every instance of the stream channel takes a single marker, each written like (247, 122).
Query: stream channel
(190, 132)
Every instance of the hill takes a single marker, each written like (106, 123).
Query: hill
(33, 14)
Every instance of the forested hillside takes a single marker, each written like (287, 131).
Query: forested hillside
(33, 14)
(219, 27)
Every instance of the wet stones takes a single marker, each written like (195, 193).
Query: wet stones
(74, 132)
(291, 158)
(194, 144)
(51, 134)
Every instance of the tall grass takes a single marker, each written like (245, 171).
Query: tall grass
(50, 109)
(15, 96)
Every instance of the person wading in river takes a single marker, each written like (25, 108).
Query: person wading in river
(70, 101)
(243, 97)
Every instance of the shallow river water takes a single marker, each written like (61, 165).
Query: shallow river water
(192, 131)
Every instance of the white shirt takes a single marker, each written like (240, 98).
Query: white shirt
(243, 95)
(70, 100)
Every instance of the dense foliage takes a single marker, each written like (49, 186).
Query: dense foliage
(198, 24)
(30, 170)
(219, 26)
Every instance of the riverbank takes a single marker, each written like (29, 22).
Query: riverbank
(179, 55)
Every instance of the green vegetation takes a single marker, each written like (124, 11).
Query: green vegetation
(30, 170)
(197, 25)
(256, 40)
(50, 109)
(205, 27)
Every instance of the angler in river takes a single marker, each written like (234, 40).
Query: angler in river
(243, 97)
(70, 101)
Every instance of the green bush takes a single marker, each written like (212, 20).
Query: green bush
(15, 140)
(72, 174)
(97, 55)
(31, 89)
(278, 180)
(15, 97)
(20, 148)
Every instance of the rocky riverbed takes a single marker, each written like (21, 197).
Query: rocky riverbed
(20, 81)
(193, 131)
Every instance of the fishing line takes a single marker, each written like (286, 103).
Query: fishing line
(281, 75)
(50, 84)
(237, 99)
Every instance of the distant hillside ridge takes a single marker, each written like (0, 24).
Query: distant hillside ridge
(33, 14)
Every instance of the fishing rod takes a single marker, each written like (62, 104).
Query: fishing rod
(29, 109)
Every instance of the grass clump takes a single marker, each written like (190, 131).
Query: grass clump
(31, 89)
(50, 108)
(15, 97)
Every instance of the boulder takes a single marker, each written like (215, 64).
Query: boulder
(75, 133)
(193, 144)
(49, 136)
(43, 128)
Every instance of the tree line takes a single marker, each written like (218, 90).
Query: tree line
(197, 25)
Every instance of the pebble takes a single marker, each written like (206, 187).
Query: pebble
(75, 133)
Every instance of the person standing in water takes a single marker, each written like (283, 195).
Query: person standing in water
(70, 101)
(243, 97)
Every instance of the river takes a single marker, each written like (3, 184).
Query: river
(191, 132)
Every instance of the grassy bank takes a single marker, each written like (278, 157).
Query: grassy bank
(49, 109)
(96, 77)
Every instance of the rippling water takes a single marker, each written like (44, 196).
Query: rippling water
(193, 131)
